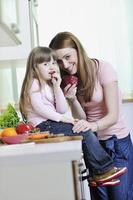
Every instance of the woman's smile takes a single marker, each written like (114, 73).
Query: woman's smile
(68, 59)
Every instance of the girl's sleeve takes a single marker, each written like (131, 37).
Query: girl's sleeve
(106, 73)
(61, 103)
(42, 106)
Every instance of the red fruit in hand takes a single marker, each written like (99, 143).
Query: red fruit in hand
(69, 79)
(24, 128)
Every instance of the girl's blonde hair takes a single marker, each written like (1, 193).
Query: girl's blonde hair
(37, 56)
(87, 68)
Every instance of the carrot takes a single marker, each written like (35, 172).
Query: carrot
(40, 135)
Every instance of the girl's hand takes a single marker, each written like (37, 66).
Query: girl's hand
(81, 125)
(66, 119)
(70, 91)
(56, 79)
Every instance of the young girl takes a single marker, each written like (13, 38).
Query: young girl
(42, 103)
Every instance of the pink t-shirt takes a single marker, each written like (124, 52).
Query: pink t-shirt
(43, 106)
(96, 109)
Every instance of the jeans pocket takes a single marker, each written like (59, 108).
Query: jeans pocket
(109, 146)
(122, 149)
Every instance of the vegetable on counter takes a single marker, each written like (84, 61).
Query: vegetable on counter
(9, 118)
(8, 132)
(24, 127)
(40, 135)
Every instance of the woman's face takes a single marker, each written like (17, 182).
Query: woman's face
(68, 60)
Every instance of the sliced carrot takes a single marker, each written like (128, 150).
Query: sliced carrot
(39, 135)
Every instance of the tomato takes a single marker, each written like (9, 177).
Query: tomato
(69, 79)
(24, 128)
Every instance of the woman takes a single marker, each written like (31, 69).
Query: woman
(99, 96)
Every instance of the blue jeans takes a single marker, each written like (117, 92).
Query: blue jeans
(96, 158)
(121, 151)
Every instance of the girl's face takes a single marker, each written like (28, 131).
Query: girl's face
(68, 60)
(46, 69)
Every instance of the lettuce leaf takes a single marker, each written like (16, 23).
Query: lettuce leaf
(9, 118)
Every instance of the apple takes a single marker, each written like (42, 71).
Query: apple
(24, 128)
(69, 79)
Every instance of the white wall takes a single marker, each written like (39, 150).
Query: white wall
(11, 78)
(104, 28)
(128, 112)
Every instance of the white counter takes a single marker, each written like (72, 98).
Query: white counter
(38, 171)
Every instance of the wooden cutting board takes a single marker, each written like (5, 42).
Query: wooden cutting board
(55, 139)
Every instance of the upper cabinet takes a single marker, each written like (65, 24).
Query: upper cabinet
(18, 28)
(9, 23)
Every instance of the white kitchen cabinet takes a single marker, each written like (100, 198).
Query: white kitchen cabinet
(40, 171)
(25, 25)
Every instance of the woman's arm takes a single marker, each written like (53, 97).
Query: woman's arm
(60, 100)
(76, 108)
(111, 98)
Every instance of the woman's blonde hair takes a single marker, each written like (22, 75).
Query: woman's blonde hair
(87, 68)
(37, 56)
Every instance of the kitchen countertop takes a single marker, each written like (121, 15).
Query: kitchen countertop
(59, 151)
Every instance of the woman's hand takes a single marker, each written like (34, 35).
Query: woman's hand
(70, 92)
(81, 125)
